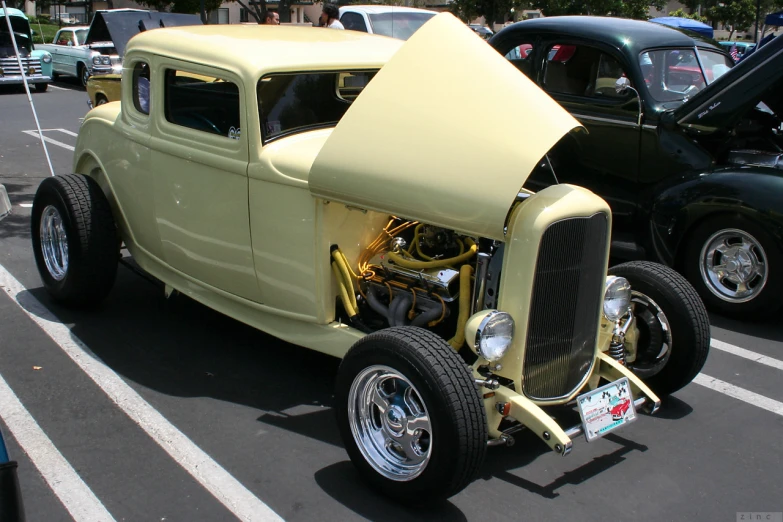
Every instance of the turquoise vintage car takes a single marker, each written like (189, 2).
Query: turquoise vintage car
(37, 64)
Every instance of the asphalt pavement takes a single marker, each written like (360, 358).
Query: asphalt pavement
(149, 408)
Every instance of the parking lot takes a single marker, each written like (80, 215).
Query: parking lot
(149, 408)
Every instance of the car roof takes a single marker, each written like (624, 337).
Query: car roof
(634, 35)
(260, 49)
(378, 9)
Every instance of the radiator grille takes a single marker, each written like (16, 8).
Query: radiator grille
(567, 293)
(11, 67)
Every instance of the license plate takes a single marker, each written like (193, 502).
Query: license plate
(606, 408)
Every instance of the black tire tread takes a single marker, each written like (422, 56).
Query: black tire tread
(681, 289)
(93, 253)
(454, 380)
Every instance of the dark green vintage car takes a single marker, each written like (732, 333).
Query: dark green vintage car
(686, 147)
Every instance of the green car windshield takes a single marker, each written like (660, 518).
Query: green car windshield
(673, 75)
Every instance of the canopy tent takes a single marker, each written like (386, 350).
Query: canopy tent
(774, 19)
(685, 23)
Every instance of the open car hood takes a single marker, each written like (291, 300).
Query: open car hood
(122, 25)
(757, 78)
(446, 133)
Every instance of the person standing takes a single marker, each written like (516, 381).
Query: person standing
(271, 17)
(330, 17)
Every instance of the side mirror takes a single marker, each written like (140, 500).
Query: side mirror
(621, 85)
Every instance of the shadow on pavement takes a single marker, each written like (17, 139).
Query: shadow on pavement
(501, 461)
(341, 481)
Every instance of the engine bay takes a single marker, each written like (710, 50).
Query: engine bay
(414, 274)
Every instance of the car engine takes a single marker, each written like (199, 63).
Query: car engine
(415, 274)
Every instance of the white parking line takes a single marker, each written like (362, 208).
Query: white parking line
(226, 489)
(26, 205)
(739, 393)
(34, 134)
(746, 354)
(74, 494)
(58, 88)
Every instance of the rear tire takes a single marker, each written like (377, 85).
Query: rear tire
(408, 380)
(41, 87)
(75, 240)
(670, 316)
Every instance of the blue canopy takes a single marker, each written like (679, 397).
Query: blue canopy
(685, 23)
(774, 19)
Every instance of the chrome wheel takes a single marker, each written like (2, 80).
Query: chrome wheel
(389, 423)
(54, 243)
(653, 339)
(733, 265)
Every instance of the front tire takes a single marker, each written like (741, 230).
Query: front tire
(74, 239)
(410, 415)
(84, 75)
(673, 327)
(41, 87)
(735, 266)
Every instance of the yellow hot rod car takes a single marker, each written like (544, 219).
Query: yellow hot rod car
(326, 187)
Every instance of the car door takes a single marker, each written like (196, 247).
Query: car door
(199, 162)
(581, 77)
(59, 43)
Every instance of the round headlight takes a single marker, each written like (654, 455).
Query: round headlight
(106, 60)
(96, 60)
(47, 58)
(494, 335)
(617, 297)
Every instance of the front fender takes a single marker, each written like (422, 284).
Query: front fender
(753, 192)
(46, 68)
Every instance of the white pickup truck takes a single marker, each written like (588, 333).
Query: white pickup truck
(72, 56)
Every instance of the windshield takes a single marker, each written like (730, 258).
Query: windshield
(81, 36)
(400, 25)
(676, 74)
(292, 103)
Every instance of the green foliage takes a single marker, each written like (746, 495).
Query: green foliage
(499, 10)
(693, 16)
(181, 6)
(44, 33)
(738, 15)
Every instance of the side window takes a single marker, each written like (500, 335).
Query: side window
(204, 103)
(521, 56)
(354, 22)
(141, 87)
(609, 71)
(290, 103)
(61, 38)
(571, 69)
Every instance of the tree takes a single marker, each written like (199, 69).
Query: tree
(181, 6)
(623, 8)
(493, 11)
(692, 16)
(738, 15)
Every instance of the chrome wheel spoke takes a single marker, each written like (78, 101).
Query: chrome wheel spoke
(389, 423)
(733, 265)
(54, 243)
